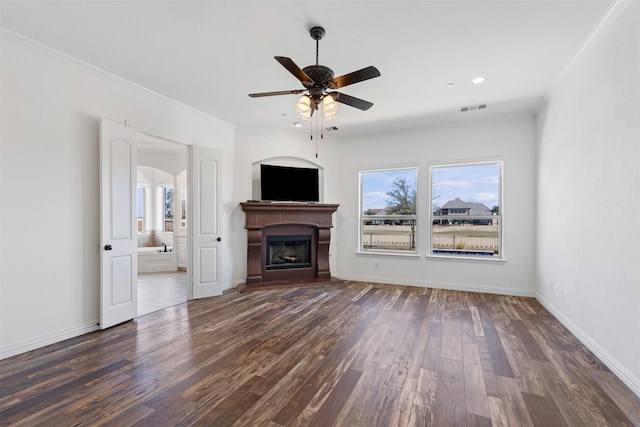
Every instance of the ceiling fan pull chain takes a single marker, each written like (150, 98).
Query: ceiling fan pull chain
(318, 119)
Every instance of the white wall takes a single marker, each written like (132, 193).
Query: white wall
(589, 197)
(171, 161)
(508, 138)
(49, 247)
(252, 146)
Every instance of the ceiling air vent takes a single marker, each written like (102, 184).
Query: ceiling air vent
(473, 107)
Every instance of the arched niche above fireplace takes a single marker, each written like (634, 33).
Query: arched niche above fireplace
(290, 161)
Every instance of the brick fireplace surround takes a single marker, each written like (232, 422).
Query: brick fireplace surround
(265, 219)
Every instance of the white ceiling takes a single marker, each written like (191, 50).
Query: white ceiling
(211, 54)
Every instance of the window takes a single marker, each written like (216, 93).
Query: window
(183, 206)
(388, 210)
(140, 197)
(466, 214)
(166, 200)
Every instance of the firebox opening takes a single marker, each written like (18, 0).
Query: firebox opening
(284, 252)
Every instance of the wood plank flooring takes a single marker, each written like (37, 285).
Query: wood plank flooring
(357, 354)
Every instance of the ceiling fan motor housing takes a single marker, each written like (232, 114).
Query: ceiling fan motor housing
(319, 74)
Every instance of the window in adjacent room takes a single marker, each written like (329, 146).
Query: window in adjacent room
(388, 220)
(166, 206)
(140, 198)
(183, 206)
(466, 210)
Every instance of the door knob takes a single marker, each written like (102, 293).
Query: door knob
(219, 239)
(108, 247)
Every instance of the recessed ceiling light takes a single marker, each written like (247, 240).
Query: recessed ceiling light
(450, 84)
(297, 124)
(477, 80)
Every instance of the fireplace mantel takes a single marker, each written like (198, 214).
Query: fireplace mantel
(265, 219)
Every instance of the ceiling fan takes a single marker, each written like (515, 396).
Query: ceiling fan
(317, 79)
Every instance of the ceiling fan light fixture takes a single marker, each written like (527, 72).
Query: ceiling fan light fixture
(303, 106)
(329, 105)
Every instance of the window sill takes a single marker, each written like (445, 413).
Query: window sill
(389, 253)
(466, 258)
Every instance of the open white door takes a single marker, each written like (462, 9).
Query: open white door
(205, 256)
(118, 234)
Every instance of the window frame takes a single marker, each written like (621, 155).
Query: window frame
(362, 217)
(500, 256)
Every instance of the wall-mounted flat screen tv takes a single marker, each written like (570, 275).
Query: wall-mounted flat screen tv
(289, 184)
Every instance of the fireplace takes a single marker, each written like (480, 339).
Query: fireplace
(284, 252)
(287, 243)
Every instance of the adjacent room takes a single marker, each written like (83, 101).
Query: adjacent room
(320, 212)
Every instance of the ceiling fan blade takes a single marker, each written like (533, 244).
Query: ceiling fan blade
(351, 101)
(295, 70)
(281, 92)
(355, 77)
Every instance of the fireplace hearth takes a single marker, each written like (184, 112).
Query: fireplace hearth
(287, 243)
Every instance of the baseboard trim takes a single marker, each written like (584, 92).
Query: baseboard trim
(51, 338)
(441, 285)
(611, 362)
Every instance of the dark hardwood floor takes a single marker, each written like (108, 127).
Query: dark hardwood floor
(357, 354)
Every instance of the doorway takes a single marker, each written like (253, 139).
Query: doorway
(161, 215)
(118, 228)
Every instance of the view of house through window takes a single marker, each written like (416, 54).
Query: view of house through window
(466, 215)
(388, 210)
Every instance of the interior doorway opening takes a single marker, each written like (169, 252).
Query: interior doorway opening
(162, 225)
(118, 228)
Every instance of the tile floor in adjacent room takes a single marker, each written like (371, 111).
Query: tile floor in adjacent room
(161, 290)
